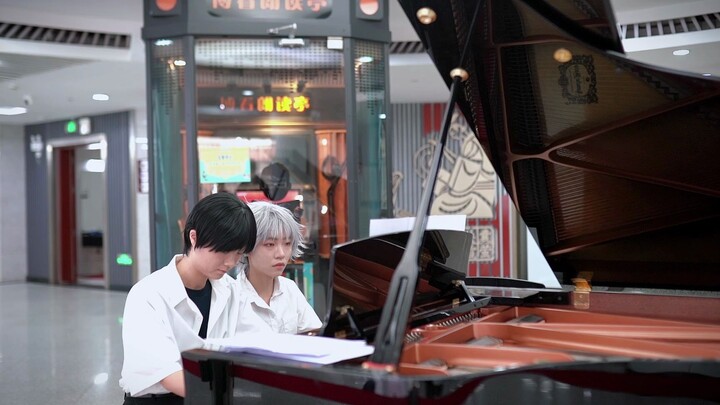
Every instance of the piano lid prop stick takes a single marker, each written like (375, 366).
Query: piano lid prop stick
(393, 321)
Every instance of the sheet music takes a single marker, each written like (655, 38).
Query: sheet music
(384, 226)
(311, 349)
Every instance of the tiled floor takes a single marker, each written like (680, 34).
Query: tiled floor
(60, 345)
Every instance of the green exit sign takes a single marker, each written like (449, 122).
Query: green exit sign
(71, 127)
(124, 259)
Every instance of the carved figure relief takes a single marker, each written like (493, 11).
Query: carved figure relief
(466, 184)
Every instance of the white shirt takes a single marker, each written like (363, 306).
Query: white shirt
(160, 321)
(288, 312)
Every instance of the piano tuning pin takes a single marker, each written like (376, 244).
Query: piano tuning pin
(426, 15)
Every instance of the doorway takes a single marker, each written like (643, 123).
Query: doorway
(78, 210)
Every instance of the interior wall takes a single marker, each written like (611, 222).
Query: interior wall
(13, 243)
(142, 199)
(120, 232)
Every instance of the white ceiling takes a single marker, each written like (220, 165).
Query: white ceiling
(57, 81)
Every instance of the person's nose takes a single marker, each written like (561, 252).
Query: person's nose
(231, 259)
(281, 251)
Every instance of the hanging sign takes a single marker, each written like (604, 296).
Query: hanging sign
(266, 104)
(271, 9)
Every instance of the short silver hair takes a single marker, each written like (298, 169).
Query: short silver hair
(276, 222)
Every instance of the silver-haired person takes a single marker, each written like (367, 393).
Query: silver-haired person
(277, 300)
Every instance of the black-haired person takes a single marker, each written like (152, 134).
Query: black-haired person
(275, 299)
(191, 298)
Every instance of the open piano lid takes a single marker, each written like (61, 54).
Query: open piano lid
(613, 165)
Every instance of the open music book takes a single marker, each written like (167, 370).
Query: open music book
(310, 349)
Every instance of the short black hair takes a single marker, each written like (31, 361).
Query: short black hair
(223, 223)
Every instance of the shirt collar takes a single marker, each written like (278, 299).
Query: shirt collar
(250, 290)
(175, 291)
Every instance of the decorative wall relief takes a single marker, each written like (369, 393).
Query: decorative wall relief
(466, 182)
(484, 248)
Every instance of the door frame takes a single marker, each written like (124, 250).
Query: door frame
(53, 217)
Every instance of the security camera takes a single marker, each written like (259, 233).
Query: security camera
(27, 100)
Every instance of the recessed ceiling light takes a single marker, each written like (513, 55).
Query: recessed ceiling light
(100, 97)
(681, 52)
(12, 110)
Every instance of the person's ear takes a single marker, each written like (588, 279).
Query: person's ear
(193, 238)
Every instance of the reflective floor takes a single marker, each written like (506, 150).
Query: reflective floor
(60, 345)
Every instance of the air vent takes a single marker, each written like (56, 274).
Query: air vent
(63, 36)
(696, 23)
(406, 47)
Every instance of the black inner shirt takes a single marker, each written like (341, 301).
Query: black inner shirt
(201, 298)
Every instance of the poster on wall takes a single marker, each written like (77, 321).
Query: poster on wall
(223, 160)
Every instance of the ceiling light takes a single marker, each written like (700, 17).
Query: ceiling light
(179, 62)
(163, 42)
(681, 52)
(707, 74)
(364, 59)
(100, 97)
(12, 110)
(247, 93)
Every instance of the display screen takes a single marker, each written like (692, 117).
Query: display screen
(223, 160)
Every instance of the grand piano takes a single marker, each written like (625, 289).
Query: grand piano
(614, 167)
